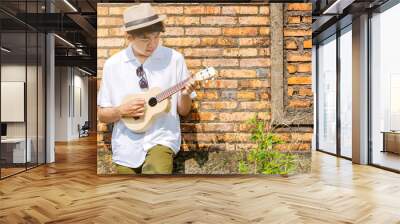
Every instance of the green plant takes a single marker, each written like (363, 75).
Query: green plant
(264, 158)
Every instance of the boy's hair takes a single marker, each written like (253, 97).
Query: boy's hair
(156, 27)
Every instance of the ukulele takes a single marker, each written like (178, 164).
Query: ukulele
(158, 101)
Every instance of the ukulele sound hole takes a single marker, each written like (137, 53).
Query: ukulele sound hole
(152, 101)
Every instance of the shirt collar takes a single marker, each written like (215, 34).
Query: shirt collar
(130, 56)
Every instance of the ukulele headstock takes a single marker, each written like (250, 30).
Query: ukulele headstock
(205, 74)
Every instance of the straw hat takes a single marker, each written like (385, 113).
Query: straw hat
(139, 16)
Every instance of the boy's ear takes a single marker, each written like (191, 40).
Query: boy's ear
(129, 36)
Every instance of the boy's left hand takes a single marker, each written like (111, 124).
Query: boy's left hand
(189, 87)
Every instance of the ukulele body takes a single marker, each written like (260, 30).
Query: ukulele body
(143, 123)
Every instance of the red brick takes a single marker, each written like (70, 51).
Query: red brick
(264, 10)
(264, 51)
(228, 10)
(109, 21)
(254, 105)
(236, 116)
(200, 9)
(102, 53)
(235, 52)
(297, 32)
(113, 51)
(257, 83)
(240, 31)
(305, 92)
(255, 62)
(181, 41)
(192, 63)
(300, 91)
(99, 73)
(306, 19)
(221, 84)
(218, 105)
(100, 137)
(163, 9)
(218, 127)
(210, 95)
(306, 57)
(190, 127)
(98, 83)
(110, 42)
(222, 41)
(264, 30)
(203, 31)
(293, 19)
(264, 116)
(199, 137)
(246, 95)
(105, 136)
(218, 20)
(307, 44)
(102, 32)
(290, 91)
(254, 20)
(235, 137)
(299, 7)
(173, 31)
(243, 127)
(102, 11)
(254, 42)
(291, 68)
(203, 116)
(301, 137)
(299, 80)
(290, 44)
(117, 10)
(202, 52)
(186, 20)
(245, 146)
(264, 96)
(293, 147)
(169, 21)
(220, 62)
(304, 67)
(195, 105)
(303, 103)
(284, 136)
(237, 73)
(118, 32)
(100, 62)
(101, 127)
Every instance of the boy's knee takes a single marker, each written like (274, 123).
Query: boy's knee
(159, 160)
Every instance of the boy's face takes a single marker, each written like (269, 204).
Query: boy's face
(145, 44)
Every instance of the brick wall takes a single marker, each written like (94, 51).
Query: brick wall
(298, 44)
(235, 39)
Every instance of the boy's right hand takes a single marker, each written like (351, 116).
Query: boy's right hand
(133, 108)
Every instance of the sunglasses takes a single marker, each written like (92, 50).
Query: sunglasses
(142, 75)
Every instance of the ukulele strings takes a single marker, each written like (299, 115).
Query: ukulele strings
(170, 91)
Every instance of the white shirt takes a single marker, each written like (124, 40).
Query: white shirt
(164, 68)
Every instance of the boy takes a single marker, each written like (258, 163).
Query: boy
(142, 65)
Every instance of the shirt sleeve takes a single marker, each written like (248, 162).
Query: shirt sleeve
(184, 74)
(104, 95)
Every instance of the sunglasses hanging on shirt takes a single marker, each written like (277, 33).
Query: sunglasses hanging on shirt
(142, 75)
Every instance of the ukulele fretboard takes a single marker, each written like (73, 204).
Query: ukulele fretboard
(172, 90)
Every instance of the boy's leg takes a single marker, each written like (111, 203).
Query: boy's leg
(159, 160)
(127, 170)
